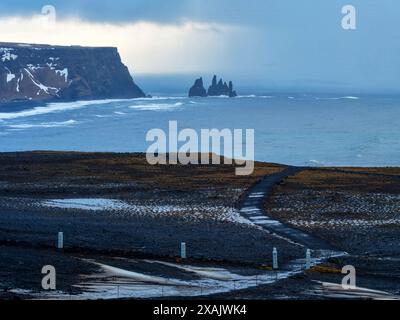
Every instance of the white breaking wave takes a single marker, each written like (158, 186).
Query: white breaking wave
(161, 98)
(43, 125)
(254, 96)
(315, 161)
(56, 107)
(351, 98)
(339, 98)
(157, 106)
(65, 106)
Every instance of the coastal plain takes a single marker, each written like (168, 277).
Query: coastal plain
(116, 210)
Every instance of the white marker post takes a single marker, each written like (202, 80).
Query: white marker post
(308, 259)
(183, 250)
(274, 259)
(60, 242)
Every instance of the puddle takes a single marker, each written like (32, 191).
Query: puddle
(114, 283)
(333, 290)
(87, 204)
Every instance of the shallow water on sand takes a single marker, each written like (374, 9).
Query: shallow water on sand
(311, 130)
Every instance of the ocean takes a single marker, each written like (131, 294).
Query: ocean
(301, 129)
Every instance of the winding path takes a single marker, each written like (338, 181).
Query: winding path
(253, 210)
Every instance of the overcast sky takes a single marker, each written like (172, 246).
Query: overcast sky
(275, 43)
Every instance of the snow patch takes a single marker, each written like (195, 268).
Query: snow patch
(115, 282)
(10, 76)
(87, 204)
(7, 55)
(118, 207)
(41, 86)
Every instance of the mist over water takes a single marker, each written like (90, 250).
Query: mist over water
(297, 129)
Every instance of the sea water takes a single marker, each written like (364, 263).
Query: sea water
(312, 129)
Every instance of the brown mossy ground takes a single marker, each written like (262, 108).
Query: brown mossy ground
(93, 168)
(355, 179)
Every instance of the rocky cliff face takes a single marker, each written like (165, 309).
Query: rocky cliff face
(219, 88)
(40, 72)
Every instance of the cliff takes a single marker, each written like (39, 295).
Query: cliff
(31, 72)
(219, 88)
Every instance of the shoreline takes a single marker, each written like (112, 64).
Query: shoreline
(141, 153)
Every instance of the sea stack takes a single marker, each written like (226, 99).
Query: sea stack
(198, 90)
(216, 89)
(221, 88)
(30, 72)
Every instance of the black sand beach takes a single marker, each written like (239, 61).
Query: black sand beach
(151, 210)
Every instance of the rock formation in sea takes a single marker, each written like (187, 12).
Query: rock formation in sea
(232, 93)
(30, 72)
(219, 88)
(198, 90)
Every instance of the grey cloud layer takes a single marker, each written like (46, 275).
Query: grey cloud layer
(296, 43)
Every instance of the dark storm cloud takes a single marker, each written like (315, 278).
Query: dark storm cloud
(296, 43)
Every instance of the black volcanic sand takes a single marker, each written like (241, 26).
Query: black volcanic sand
(28, 230)
(21, 268)
(354, 209)
(28, 239)
(357, 211)
(371, 273)
(158, 237)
